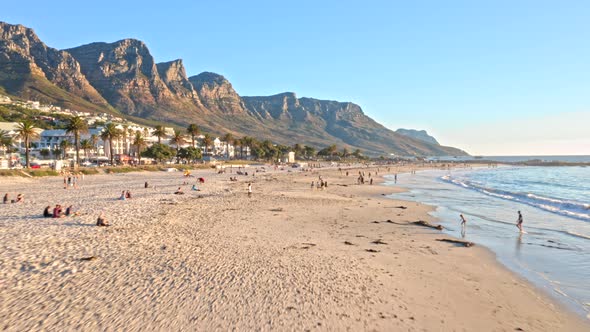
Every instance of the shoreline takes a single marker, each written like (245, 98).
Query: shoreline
(216, 259)
(564, 306)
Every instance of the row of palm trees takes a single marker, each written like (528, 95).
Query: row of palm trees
(76, 126)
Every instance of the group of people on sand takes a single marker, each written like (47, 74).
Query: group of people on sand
(125, 194)
(319, 184)
(59, 212)
(20, 198)
(71, 179)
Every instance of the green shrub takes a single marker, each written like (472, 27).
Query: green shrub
(8, 172)
(42, 172)
(123, 169)
(89, 171)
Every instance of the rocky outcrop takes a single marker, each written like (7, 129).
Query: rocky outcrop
(174, 76)
(217, 94)
(421, 135)
(125, 73)
(28, 68)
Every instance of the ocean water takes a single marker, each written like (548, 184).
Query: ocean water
(515, 159)
(554, 253)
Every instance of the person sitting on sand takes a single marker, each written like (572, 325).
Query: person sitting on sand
(179, 191)
(128, 194)
(57, 211)
(71, 212)
(20, 198)
(5, 198)
(47, 212)
(101, 221)
(122, 197)
(194, 188)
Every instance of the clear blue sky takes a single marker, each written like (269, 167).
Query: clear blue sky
(491, 77)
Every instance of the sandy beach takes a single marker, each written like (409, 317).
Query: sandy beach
(287, 258)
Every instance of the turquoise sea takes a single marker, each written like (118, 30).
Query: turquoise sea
(554, 253)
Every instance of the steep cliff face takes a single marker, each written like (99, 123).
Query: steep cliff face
(125, 73)
(174, 76)
(217, 94)
(28, 68)
(421, 135)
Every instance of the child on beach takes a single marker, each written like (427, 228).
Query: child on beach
(122, 197)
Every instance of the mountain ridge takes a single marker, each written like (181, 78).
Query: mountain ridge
(124, 77)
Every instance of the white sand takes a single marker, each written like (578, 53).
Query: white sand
(218, 260)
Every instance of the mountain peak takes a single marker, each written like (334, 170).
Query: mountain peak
(208, 78)
(172, 70)
(217, 93)
(421, 135)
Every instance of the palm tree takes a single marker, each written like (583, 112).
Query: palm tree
(64, 145)
(194, 131)
(86, 145)
(177, 139)
(357, 153)
(248, 142)
(94, 141)
(227, 138)
(124, 132)
(6, 140)
(236, 143)
(139, 142)
(345, 152)
(26, 131)
(207, 141)
(159, 132)
(75, 126)
(110, 133)
(332, 149)
(309, 151)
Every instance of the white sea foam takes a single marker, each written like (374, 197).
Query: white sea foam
(569, 208)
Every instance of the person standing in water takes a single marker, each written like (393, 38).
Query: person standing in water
(519, 222)
(463, 221)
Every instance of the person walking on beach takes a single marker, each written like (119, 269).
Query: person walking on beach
(395, 178)
(250, 189)
(463, 220)
(519, 222)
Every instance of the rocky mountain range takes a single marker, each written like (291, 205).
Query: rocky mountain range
(124, 78)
